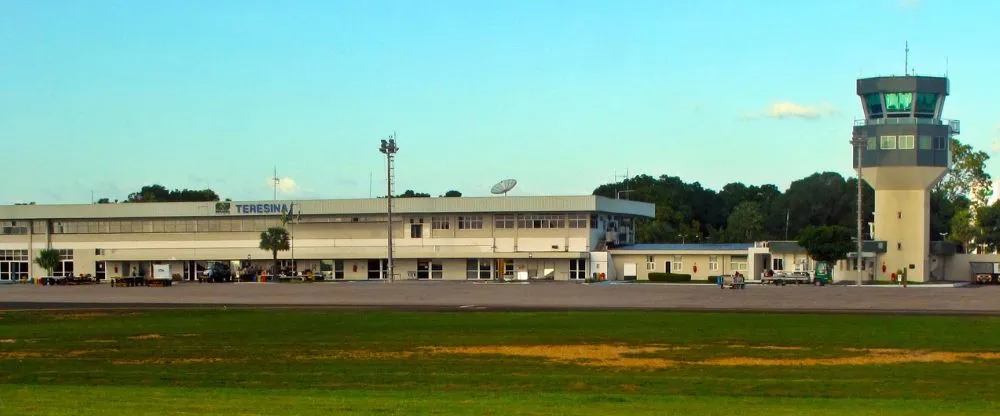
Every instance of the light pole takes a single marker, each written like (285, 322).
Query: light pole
(859, 142)
(389, 149)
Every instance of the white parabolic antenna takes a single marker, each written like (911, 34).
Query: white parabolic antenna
(503, 186)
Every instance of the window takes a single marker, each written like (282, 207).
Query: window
(593, 221)
(578, 220)
(677, 264)
(577, 269)
(872, 143)
(437, 271)
(926, 103)
(888, 142)
(416, 230)
(650, 264)
(940, 143)
(13, 264)
(472, 222)
(65, 265)
(906, 142)
(777, 264)
(331, 269)
(541, 221)
(504, 221)
(440, 223)
(377, 269)
(738, 263)
(926, 142)
(478, 269)
(713, 262)
(874, 103)
(11, 228)
(898, 102)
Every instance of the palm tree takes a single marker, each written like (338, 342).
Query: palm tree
(48, 259)
(275, 239)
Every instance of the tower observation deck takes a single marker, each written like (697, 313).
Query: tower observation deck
(906, 152)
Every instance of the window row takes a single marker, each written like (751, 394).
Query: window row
(676, 263)
(906, 142)
(901, 103)
(508, 221)
(14, 255)
(163, 226)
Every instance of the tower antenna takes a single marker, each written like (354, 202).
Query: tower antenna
(276, 181)
(906, 62)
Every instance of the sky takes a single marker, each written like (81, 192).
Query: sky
(101, 97)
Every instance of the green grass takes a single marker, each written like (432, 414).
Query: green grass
(291, 362)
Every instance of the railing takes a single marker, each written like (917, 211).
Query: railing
(903, 120)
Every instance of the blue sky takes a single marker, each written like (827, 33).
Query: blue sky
(106, 96)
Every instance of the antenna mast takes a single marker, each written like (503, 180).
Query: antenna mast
(625, 178)
(906, 62)
(276, 181)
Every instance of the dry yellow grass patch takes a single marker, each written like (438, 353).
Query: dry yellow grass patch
(100, 341)
(354, 355)
(7, 340)
(19, 355)
(615, 356)
(171, 361)
(599, 355)
(880, 356)
(146, 336)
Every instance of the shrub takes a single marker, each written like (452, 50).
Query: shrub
(669, 277)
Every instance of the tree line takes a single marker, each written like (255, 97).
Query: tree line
(739, 213)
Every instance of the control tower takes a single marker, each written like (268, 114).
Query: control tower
(906, 151)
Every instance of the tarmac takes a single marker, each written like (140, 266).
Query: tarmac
(534, 296)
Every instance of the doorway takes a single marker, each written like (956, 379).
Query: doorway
(667, 267)
(423, 269)
(99, 270)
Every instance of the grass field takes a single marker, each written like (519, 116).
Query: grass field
(244, 362)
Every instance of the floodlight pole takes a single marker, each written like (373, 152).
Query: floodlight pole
(859, 142)
(389, 149)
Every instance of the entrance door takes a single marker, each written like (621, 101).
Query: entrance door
(667, 267)
(99, 270)
(423, 268)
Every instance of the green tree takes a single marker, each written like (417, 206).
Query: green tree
(104, 201)
(159, 193)
(963, 231)
(827, 243)
(48, 259)
(452, 194)
(275, 239)
(744, 222)
(988, 224)
(967, 176)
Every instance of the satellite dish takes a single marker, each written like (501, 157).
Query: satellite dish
(503, 186)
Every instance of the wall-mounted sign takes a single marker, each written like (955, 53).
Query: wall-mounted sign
(222, 207)
(273, 208)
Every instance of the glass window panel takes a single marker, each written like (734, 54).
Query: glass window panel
(874, 102)
(905, 142)
(888, 142)
(872, 143)
(926, 102)
(926, 142)
(898, 102)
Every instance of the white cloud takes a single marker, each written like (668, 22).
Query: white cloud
(286, 185)
(788, 109)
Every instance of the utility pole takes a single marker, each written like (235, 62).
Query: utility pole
(859, 142)
(389, 149)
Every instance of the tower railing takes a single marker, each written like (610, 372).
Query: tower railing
(905, 120)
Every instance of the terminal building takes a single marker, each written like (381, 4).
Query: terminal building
(567, 238)
(558, 238)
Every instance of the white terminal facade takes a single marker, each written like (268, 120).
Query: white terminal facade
(434, 238)
(465, 238)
